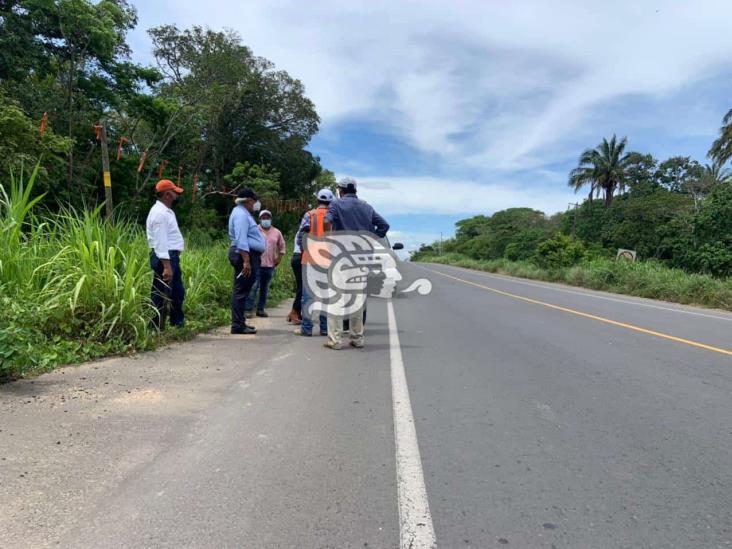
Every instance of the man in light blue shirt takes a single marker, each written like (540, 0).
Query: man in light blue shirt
(247, 245)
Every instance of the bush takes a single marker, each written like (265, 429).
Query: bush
(523, 246)
(558, 252)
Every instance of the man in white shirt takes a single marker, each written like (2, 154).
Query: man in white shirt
(166, 244)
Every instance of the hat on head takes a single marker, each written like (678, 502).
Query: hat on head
(265, 212)
(246, 192)
(347, 182)
(167, 185)
(325, 195)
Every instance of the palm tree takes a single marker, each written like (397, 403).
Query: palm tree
(716, 174)
(721, 150)
(603, 168)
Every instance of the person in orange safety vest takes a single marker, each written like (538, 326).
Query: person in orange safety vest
(313, 224)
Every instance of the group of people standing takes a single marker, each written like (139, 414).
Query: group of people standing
(256, 250)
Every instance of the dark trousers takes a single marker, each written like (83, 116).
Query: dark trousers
(261, 285)
(242, 285)
(167, 298)
(297, 271)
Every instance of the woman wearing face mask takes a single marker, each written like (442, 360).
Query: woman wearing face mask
(273, 254)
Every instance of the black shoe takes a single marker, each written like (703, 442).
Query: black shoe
(262, 313)
(244, 330)
(323, 333)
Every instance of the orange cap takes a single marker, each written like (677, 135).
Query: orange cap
(167, 185)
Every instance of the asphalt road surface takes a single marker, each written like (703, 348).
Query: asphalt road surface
(494, 412)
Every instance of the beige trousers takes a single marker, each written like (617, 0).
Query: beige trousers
(335, 329)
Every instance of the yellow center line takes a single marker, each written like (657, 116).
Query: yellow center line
(590, 316)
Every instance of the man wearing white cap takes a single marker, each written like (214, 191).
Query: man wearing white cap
(313, 224)
(349, 213)
(273, 253)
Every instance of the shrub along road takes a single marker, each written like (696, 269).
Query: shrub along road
(545, 415)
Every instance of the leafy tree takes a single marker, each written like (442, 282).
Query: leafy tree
(677, 173)
(263, 180)
(484, 237)
(70, 58)
(326, 180)
(471, 227)
(602, 168)
(424, 251)
(239, 107)
(640, 174)
(639, 223)
(22, 145)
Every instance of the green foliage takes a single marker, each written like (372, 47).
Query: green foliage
(721, 150)
(73, 286)
(326, 180)
(705, 243)
(262, 179)
(641, 224)
(523, 246)
(558, 252)
(234, 107)
(643, 279)
(603, 169)
(75, 66)
(21, 143)
(209, 104)
(516, 229)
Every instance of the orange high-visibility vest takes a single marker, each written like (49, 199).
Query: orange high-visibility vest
(317, 230)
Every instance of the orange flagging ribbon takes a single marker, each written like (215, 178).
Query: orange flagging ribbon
(141, 166)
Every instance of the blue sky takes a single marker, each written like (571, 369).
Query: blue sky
(442, 110)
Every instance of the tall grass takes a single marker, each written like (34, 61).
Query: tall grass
(74, 287)
(643, 279)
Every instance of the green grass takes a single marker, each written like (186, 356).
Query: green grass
(74, 287)
(642, 279)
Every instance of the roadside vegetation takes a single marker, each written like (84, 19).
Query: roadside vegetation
(643, 279)
(209, 114)
(675, 214)
(75, 287)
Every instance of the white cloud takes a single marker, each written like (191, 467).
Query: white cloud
(428, 195)
(493, 86)
(509, 78)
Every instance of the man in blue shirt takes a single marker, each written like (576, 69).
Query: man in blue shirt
(349, 213)
(247, 245)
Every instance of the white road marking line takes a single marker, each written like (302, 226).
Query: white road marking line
(415, 521)
(587, 294)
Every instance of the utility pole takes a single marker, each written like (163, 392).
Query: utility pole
(440, 242)
(107, 174)
(574, 220)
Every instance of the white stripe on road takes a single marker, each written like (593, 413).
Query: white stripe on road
(415, 521)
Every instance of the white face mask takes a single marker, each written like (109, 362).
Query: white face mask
(266, 223)
(257, 206)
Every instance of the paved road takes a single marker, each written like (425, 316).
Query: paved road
(546, 416)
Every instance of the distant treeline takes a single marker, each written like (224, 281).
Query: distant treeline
(677, 212)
